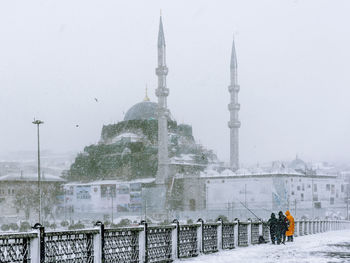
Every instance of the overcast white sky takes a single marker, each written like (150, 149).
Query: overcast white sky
(293, 55)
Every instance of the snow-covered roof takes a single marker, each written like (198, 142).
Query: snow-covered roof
(102, 182)
(30, 177)
(282, 171)
(133, 137)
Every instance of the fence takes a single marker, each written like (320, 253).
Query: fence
(142, 243)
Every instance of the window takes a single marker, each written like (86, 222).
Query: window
(8, 191)
(308, 186)
(317, 204)
(292, 192)
(315, 198)
(342, 188)
(298, 187)
(332, 189)
(291, 179)
(331, 201)
(337, 194)
(299, 180)
(315, 187)
(328, 187)
(302, 197)
(303, 187)
(192, 205)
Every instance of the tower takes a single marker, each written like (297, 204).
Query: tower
(234, 124)
(162, 93)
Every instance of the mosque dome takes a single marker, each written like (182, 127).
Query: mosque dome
(297, 164)
(145, 110)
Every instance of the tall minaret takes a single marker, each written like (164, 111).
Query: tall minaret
(162, 93)
(234, 124)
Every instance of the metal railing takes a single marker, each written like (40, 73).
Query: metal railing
(142, 243)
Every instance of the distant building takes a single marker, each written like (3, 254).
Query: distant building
(184, 176)
(106, 197)
(18, 183)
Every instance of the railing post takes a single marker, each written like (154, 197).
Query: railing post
(311, 226)
(235, 232)
(143, 242)
(297, 228)
(35, 246)
(99, 243)
(249, 232)
(261, 228)
(175, 240)
(38, 247)
(219, 234)
(200, 235)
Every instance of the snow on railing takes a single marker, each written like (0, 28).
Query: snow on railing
(143, 243)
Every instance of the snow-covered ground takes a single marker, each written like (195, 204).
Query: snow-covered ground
(321, 248)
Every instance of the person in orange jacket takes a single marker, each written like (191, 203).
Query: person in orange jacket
(290, 231)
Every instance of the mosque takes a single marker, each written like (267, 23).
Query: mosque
(150, 162)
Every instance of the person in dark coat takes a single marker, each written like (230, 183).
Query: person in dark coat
(273, 227)
(282, 227)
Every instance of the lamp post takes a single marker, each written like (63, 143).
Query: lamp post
(37, 123)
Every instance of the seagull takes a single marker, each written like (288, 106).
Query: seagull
(77, 125)
(96, 99)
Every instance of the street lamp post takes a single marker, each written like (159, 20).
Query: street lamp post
(37, 123)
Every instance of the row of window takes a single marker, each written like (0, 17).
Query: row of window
(7, 191)
(315, 198)
(329, 187)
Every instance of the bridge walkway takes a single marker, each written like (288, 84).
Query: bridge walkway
(326, 247)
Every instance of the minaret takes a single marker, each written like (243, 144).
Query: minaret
(234, 124)
(162, 93)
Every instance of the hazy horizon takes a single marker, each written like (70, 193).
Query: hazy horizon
(58, 56)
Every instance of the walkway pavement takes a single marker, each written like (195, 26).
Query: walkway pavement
(321, 248)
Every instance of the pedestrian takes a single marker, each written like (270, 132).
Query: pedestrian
(273, 227)
(290, 231)
(282, 227)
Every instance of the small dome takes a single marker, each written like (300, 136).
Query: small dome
(145, 110)
(298, 164)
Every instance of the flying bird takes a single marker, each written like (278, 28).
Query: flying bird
(77, 125)
(96, 99)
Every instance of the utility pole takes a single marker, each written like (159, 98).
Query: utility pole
(112, 205)
(347, 201)
(146, 210)
(37, 123)
(312, 197)
(228, 210)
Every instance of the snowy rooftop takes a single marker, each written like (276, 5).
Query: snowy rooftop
(128, 135)
(102, 182)
(30, 177)
(256, 172)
